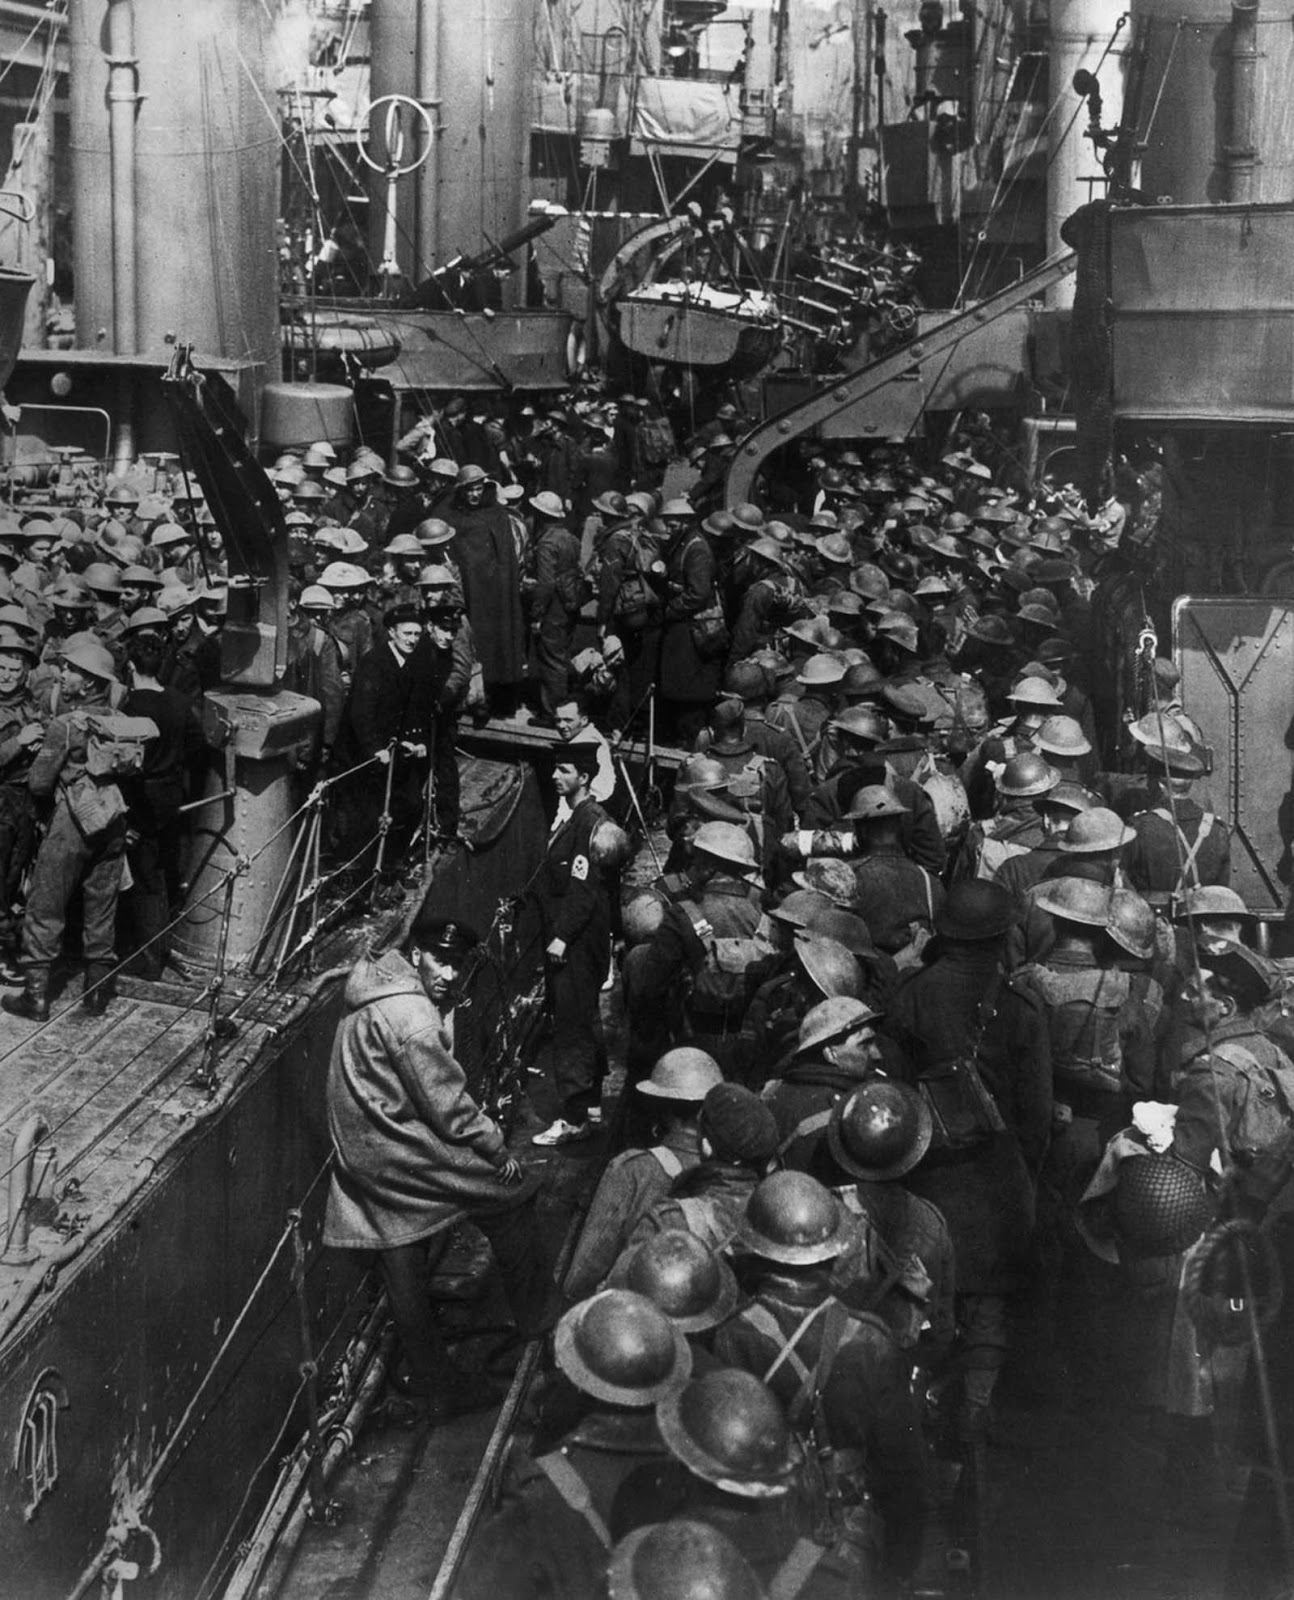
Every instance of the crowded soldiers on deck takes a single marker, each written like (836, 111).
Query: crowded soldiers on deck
(930, 937)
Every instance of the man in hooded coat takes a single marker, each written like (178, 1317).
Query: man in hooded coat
(414, 1154)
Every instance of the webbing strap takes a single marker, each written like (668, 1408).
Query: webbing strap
(805, 749)
(833, 1330)
(703, 1220)
(809, 1125)
(763, 1321)
(1233, 1051)
(670, 1163)
(573, 1489)
(791, 1577)
(1189, 851)
(701, 925)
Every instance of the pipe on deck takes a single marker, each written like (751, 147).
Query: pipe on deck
(1239, 145)
(428, 176)
(123, 103)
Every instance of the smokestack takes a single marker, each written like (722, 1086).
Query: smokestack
(175, 175)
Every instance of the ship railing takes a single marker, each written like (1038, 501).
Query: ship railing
(329, 1419)
(221, 1021)
(302, 886)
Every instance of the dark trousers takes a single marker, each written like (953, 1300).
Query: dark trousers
(984, 1340)
(579, 1049)
(17, 841)
(553, 663)
(679, 721)
(66, 859)
(1257, 1569)
(642, 665)
(407, 1272)
(360, 803)
(653, 1020)
(153, 896)
(446, 810)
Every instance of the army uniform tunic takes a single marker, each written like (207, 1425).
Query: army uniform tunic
(1102, 1058)
(905, 1240)
(1016, 830)
(657, 974)
(803, 1098)
(688, 680)
(17, 806)
(708, 1200)
(1153, 860)
(772, 1022)
(767, 605)
(634, 1182)
(561, 1512)
(826, 806)
(867, 1395)
(805, 718)
(75, 851)
(985, 1193)
(895, 897)
(779, 746)
(630, 605)
(1236, 1099)
(555, 609)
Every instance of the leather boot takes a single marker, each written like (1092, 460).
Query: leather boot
(100, 989)
(33, 1002)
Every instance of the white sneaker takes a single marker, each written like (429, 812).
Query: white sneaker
(562, 1132)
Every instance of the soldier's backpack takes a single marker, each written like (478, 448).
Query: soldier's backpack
(637, 594)
(1262, 1106)
(1085, 1008)
(116, 744)
(721, 985)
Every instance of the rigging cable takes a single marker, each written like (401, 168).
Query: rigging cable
(982, 234)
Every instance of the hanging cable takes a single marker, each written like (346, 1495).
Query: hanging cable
(1163, 81)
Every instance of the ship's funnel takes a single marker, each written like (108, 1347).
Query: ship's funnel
(183, 119)
(1219, 121)
(471, 65)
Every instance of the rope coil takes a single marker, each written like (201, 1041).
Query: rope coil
(1213, 1305)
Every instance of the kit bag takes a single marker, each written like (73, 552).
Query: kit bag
(116, 744)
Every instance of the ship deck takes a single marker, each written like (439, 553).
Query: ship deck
(117, 1093)
(1076, 1493)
